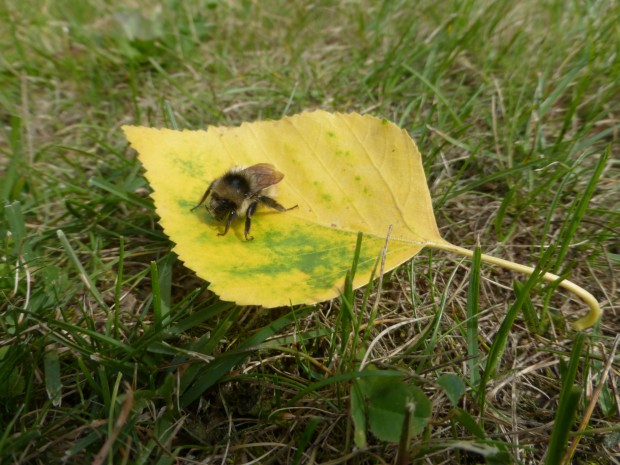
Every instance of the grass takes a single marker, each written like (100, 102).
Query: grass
(112, 352)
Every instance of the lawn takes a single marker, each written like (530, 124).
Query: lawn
(111, 351)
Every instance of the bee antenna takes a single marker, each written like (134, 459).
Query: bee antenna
(204, 197)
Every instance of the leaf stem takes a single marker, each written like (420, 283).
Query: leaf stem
(585, 322)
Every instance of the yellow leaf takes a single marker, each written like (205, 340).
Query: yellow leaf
(346, 172)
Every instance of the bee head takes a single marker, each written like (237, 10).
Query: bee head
(220, 208)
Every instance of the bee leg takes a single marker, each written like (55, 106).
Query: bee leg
(248, 220)
(229, 221)
(204, 197)
(273, 204)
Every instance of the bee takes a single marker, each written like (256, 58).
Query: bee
(240, 191)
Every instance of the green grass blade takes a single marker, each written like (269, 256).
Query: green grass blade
(17, 226)
(567, 405)
(529, 313)
(224, 363)
(501, 338)
(53, 383)
(305, 440)
(8, 428)
(562, 425)
(434, 332)
(120, 193)
(84, 276)
(119, 286)
(347, 322)
(473, 294)
(200, 316)
(440, 96)
(13, 181)
(581, 205)
(169, 114)
(157, 303)
(560, 88)
(498, 175)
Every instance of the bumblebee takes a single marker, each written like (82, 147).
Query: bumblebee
(239, 192)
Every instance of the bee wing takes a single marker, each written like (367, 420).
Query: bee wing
(263, 175)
